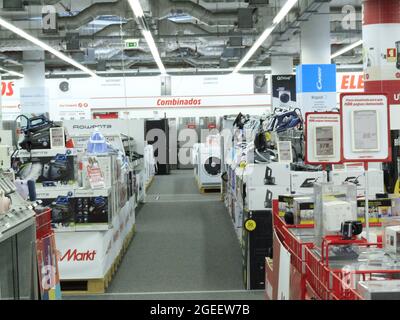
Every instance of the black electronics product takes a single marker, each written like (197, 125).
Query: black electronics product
(240, 121)
(268, 199)
(309, 183)
(268, 178)
(32, 190)
(37, 133)
(61, 211)
(161, 154)
(398, 54)
(284, 121)
(350, 229)
(257, 245)
(289, 217)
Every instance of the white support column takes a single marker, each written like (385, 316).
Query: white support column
(34, 94)
(34, 68)
(281, 65)
(315, 38)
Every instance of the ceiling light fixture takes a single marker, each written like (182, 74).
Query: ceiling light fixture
(13, 73)
(278, 18)
(138, 12)
(45, 46)
(346, 49)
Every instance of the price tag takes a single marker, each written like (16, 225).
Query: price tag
(250, 225)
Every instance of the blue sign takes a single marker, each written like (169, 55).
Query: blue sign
(316, 78)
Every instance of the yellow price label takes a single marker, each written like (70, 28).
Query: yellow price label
(268, 136)
(250, 225)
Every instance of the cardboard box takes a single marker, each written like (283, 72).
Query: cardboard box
(93, 209)
(58, 166)
(275, 173)
(260, 198)
(302, 182)
(375, 180)
(303, 210)
(378, 209)
(63, 213)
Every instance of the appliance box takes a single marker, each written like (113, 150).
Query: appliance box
(303, 210)
(302, 182)
(260, 198)
(378, 209)
(63, 216)
(275, 173)
(93, 209)
(46, 167)
(375, 180)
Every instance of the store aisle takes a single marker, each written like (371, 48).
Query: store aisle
(185, 247)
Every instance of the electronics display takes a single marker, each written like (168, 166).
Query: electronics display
(365, 130)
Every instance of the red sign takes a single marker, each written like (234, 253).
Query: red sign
(7, 88)
(352, 82)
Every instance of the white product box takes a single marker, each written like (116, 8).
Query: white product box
(375, 180)
(392, 239)
(275, 173)
(260, 198)
(302, 182)
(334, 213)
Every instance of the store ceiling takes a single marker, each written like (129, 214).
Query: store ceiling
(190, 35)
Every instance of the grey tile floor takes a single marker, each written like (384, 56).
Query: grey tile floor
(185, 248)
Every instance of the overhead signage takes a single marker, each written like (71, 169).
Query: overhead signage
(316, 87)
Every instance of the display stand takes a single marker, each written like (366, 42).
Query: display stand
(365, 133)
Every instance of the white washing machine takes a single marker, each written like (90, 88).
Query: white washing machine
(209, 165)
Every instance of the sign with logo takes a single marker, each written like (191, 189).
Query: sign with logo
(83, 255)
(316, 87)
(132, 43)
(284, 91)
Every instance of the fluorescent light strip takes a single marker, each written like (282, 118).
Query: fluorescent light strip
(45, 46)
(14, 73)
(346, 49)
(138, 12)
(284, 11)
(278, 18)
(136, 8)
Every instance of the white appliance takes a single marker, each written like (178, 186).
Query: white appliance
(195, 158)
(209, 165)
